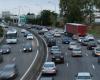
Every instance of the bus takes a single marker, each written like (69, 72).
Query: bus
(11, 36)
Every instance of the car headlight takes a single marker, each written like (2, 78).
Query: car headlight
(7, 50)
(24, 48)
(0, 50)
(12, 74)
(30, 48)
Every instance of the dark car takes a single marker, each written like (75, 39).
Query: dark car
(91, 45)
(65, 41)
(41, 32)
(51, 42)
(84, 42)
(26, 33)
(58, 57)
(27, 47)
(8, 72)
(5, 49)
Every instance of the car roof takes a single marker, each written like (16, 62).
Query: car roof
(49, 63)
(83, 74)
(10, 65)
(46, 78)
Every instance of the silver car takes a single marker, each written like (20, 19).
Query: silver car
(49, 68)
(76, 52)
(83, 76)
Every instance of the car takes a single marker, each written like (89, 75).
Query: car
(91, 45)
(54, 48)
(26, 33)
(30, 36)
(58, 57)
(96, 51)
(5, 49)
(56, 34)
(83, 76)
(84, 42)
(72, 45)
(47, 78)
(44, 29)
(41, 32)
(66, 40)
(80, 39)
(27, 47)
(98, 41)
(77, 52)
(8, 72)
(48, 35)
(23, 30)
(51, 42)
(49, 68)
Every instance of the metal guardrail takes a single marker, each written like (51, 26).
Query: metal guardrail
(36, 68)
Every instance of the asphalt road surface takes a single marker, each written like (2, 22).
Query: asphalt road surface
(22, 60)
(73, 65)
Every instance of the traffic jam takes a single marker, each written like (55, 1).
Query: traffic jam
(74, 37)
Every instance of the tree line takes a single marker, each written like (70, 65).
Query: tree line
(78, 10)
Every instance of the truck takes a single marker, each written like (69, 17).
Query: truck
(76, 29)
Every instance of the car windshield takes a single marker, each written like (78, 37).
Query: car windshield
(76, 49)
(84, 77)
(48, 65)
(98, 49)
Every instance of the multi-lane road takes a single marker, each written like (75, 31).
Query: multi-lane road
(22, 60)
(73, 65)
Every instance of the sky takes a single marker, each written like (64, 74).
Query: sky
(25, 6)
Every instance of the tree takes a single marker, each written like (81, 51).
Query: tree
(76, 10)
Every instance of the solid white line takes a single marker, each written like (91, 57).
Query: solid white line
(32, 62)
(86, 54)
(67, 64)
(46, 58)
(93, 66)
(30, 66)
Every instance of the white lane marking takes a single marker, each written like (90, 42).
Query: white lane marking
(67, 64)
(46, 58)
(86, 54)
(14, 59)
(30, 66)
(93, 66)
(22, 78)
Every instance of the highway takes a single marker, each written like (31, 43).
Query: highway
(22, 60)
(73, 65)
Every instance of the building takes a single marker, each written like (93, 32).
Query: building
(6, 14)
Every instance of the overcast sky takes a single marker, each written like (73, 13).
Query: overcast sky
(25, 6)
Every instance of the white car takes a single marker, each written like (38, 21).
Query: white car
(49, 68)
(44, 30)
(29, 37)
(23, 30)
(80, 39)
(72, 45)
(57, 34)
(83, 76)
